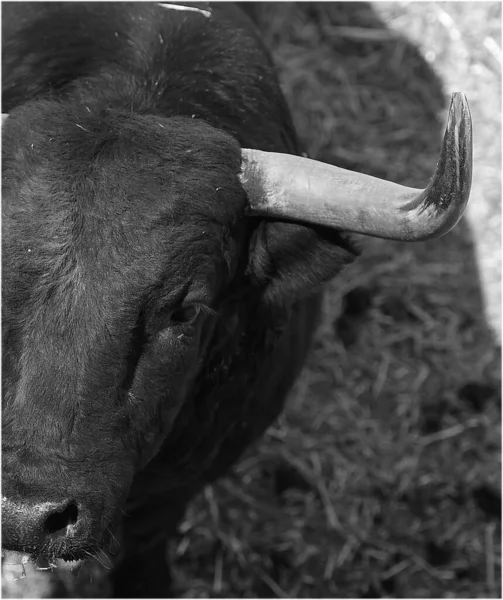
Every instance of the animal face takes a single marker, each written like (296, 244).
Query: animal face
(156, 270)
(121, 235)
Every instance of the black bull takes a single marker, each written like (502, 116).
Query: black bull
(159, 295)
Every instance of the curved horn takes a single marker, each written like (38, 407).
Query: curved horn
(283, 186)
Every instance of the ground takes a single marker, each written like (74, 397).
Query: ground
(382, 478)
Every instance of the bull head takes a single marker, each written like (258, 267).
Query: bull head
(95, 352)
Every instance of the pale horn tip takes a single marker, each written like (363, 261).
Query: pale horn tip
(459, 123)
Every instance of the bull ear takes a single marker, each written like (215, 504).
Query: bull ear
(4, 116)
(290, 261)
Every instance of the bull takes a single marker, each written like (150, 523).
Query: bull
(164, 247)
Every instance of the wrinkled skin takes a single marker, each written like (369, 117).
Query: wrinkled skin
(151, 331)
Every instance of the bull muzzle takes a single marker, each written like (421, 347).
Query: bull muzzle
(54, 528)
(282, 186)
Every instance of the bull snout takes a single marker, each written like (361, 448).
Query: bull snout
(58, 529)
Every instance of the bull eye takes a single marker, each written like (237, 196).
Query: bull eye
(185, 315)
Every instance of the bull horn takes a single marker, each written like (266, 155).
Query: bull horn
(282, 186)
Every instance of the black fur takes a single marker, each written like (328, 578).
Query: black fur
(151, 331)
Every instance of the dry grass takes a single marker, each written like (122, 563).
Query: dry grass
(382, 478)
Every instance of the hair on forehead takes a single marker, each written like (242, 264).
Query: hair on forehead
(90, 193)
(111, 163)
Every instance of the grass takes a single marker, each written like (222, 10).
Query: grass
(382, 477)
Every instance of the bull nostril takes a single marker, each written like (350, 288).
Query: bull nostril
(57, 521)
